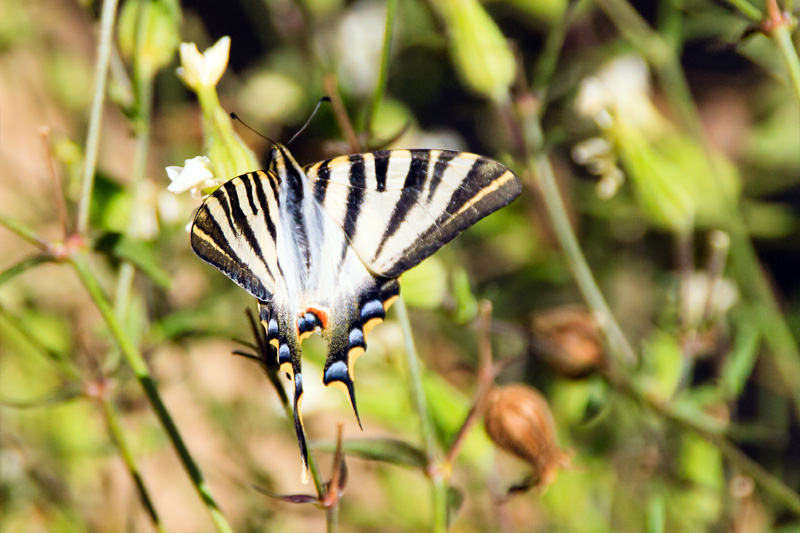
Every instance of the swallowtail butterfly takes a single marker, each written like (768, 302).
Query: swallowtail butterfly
(322, 247)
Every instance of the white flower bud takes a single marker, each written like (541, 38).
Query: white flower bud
(204, 69)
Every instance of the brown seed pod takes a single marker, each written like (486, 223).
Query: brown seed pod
(569, 340)
(519, 421)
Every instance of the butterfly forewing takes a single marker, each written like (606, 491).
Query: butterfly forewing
(235, 230)
(403, 205)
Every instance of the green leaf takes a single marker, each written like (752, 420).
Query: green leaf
(455, 499)
(739, 363)
(391, 451)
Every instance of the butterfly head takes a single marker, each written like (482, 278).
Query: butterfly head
(280, 161)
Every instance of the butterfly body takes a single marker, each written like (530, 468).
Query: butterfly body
(321, 246)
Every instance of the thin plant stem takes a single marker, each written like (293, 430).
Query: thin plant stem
(316, 473)
(440, 512)
(420, 404)
(719, 243)
(418, 398)
(783, 40)
(139, 366)
(107, 16)
(548, 59)
(380, 89)
(55, 183)
(747, 9)
(23, 266)
(120, 441)
(542, 172)
(332, 519)
(24, 232)
(340, 112)
(332, 497)
(485, 381)
(144, 101)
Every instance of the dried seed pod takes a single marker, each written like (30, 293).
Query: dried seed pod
(519, 421)
(569, 340)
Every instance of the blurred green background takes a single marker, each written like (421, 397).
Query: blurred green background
(672, 131)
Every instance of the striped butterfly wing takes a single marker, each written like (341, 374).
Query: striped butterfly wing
(398, 207)
(235, 231)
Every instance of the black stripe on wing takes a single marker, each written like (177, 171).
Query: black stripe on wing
(355, 197)
(412, 186)
(224, 234)
(487, 187)
(422, 201)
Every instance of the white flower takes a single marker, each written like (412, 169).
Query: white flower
(598, 156)
(195, 175)
(703, 296)
(203, 69)
(619, 91)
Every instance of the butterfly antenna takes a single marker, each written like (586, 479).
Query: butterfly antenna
(323, 99)
(234, 116)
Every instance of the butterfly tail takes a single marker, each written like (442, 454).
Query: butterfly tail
(346, 343)
(348, 336)
(281, 333)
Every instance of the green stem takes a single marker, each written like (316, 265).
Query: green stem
(747, 9)
(783, 40)
(316, 474)
(144, 103)
(380, 89)
(771, 322)
(22, 231)
(548, 59)
(415, 382)
(439, 489)
(584, 278)
(139, 366)
(434, 471)
(107, 17)
(118, 438)
(22, 266)
(332, 519)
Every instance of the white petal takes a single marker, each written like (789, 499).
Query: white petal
(192, 64)
(195, 172)
(173, 172)
(216, 60)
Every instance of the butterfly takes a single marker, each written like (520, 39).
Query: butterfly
(322, 246)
